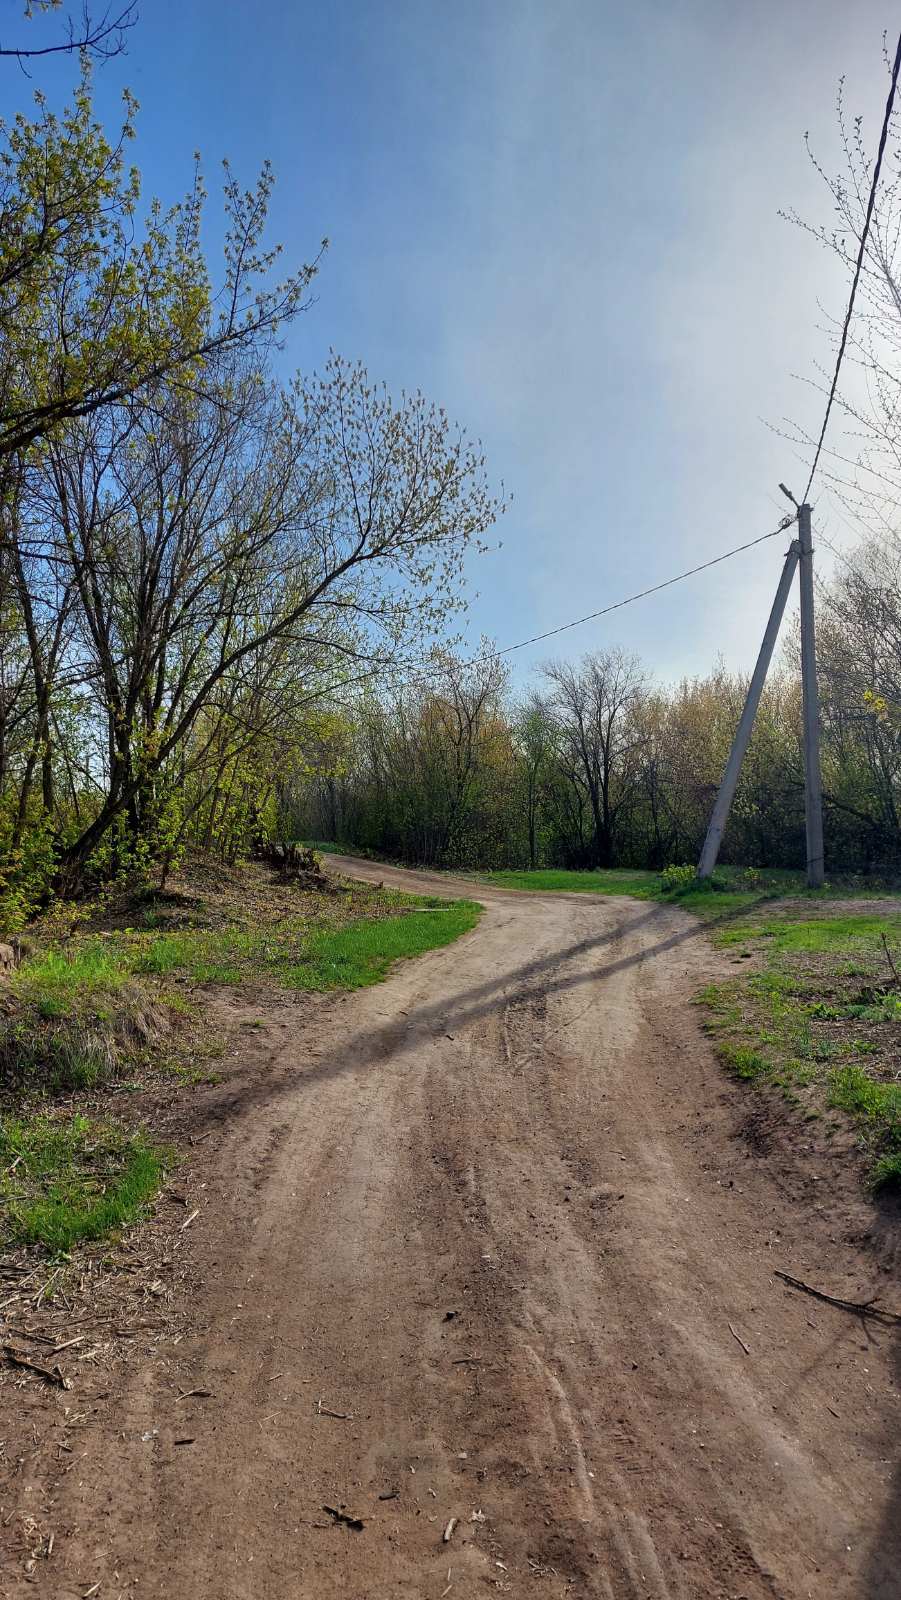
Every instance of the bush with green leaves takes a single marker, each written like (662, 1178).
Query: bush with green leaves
(675, 879)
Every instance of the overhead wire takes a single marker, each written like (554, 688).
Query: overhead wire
(667, 583)
(864, 235)
(642, 594)
(423, 675)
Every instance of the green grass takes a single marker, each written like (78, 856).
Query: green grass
(67, 1179)
(317, 957)
(91, 1008)
(848, 935)
(728, 892)
(82, 980)
(363, 952)
(819, 1021)
(58, 981)
(557, 879)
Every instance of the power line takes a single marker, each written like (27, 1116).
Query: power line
(424, 676)
(642, 594)
(889, 105)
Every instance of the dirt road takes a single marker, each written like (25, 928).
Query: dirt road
(486, 1266)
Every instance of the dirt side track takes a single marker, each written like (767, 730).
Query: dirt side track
(497, 1214)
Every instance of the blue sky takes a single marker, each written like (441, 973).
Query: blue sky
(559, 219)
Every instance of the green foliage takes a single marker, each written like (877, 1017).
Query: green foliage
(852, 1089)
(27, 866)
(93, 305)
(61, 983)
(305, 957)
(675, 879)
(743, 1061)
(66, 1179)
(640, 885)
(799, 1024)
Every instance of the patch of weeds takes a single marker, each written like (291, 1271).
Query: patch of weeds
(743, 1061)
(57, 982)
(362, 953)
(886, 1173)
(808, 1021)
(67, 1179)
(675, 878)
(854, 1090)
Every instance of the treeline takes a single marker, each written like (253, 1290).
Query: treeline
(219, 593)
(597, 766)
(194, 557)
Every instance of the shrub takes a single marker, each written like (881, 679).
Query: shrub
(673, 880)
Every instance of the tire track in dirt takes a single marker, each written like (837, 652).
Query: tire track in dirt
(495, 1214)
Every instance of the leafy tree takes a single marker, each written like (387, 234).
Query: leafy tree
(95, 308)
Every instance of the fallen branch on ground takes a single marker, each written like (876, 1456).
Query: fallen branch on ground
(861, 1308)
(52, 1374)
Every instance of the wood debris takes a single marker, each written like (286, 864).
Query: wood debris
(356, 1523)
(863, 1308)
(342, 1416)
(52, 1374)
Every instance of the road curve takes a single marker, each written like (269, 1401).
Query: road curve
(487, 1267)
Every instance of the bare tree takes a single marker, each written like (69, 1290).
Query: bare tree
(598, 742)
(101, 37)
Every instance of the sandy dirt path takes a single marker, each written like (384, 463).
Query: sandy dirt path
(496, 1219)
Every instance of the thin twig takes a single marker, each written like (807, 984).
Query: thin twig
(52, 1374)
(889, 959)
(862, 1308)
(342, 1416)
(740, 1339)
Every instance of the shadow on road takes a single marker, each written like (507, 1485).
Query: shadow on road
(404, 1032)
(408, 1031)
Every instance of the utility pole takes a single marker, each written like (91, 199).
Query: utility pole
(813, 782)
(727, 788)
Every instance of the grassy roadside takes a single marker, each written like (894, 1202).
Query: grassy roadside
(818, 1019)
(543, 880)
(732, 889)
(69, 1178)
(816, 1016)
(100, 1005)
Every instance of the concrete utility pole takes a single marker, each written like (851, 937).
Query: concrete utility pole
(813, 782)
(727, 788)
